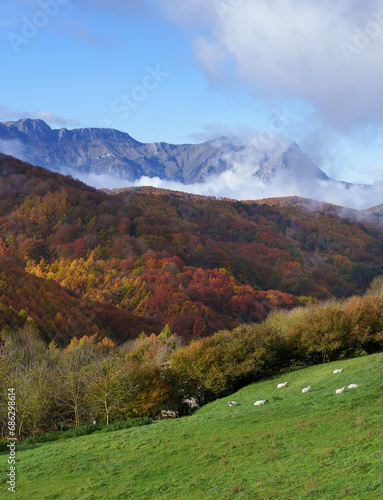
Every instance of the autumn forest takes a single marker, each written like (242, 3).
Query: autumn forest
(125, 282)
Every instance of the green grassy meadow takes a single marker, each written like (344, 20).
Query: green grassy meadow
(299, 446)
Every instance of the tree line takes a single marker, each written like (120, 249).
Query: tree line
(95, 381)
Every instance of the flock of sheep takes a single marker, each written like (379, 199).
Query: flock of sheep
(305, 389)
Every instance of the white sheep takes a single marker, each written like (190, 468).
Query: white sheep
(339, 391)
(279, 386)
(338, 371)
(353, 386)
(232, 403)
(306, 389)
(261, 402)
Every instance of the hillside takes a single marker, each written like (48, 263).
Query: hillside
(372, 215)
(197, 264)
(375, 213)
(314, 445)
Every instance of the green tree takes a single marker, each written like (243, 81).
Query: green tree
(107, 387)
(148, 391)
(165, 333)
(72, 369)
(34, 391)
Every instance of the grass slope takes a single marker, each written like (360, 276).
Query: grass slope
(299, 446)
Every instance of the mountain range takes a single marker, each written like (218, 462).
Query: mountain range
(103, 151)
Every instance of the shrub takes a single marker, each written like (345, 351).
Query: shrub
(149, 394)
(321, 334)
(83, 430)
(134, 422)
(366, 317)
(217, 365)
(4, 446)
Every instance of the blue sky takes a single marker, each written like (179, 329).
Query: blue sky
(180, 71)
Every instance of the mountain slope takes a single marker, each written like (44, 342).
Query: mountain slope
(91, 243)
(314, 445)
(374, 213)
(108, 151)
(195, 263)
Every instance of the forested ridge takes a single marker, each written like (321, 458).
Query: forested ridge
(137, 261)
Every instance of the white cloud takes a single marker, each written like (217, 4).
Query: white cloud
(47, 116)
(8, 114)
(240, 182)
(13, 148)
(231, 185)
(295, 49)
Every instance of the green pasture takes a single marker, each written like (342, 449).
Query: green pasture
(318, 445)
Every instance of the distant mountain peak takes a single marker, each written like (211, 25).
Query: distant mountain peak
(109, 151)
(28, 124)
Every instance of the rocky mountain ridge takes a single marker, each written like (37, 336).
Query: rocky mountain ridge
(107, 151)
